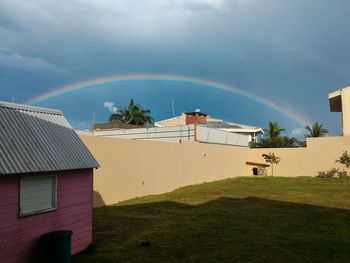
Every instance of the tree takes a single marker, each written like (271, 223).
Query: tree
(134, 114)
(272, 159)
(274, 130)
(287, 142)
(316, 130)
(275, 140)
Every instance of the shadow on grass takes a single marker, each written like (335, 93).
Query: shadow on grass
(222, 230)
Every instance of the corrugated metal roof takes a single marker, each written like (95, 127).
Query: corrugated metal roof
(34, 139)
(222, 125)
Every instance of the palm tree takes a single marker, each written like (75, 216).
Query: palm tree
(274, 130)
(316, 130)
(275, 140)
(122, 115)
(134, 114)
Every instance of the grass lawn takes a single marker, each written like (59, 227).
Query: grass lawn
(268, 219)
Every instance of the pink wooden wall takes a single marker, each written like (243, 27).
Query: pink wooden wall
(18, 236)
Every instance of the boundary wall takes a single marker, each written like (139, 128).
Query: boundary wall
(319, 155)
(132, 168)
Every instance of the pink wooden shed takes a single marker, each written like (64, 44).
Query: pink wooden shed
(46, 181)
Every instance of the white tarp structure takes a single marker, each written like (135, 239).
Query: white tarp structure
(177, 134)
(212, 135)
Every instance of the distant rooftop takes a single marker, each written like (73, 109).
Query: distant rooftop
(211, 123)
(222, 125)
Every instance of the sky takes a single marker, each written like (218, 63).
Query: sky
(287, 53)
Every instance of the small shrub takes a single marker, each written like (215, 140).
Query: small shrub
(332, 173)
(343, 174)
(344, 159)
(328, 173)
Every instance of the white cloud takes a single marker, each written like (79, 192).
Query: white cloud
(15, 60)
(110, 106)
(297, 132)
(80, 125)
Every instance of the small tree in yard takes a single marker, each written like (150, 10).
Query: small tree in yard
(272, 159)
(344, 159)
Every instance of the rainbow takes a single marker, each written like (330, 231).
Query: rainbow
(175, 78)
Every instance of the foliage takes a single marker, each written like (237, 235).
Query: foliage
(316, 130)
(272, 159)
(336, 172)
(328, 173)
(134, 114)
(275, 140)
(342, 174)
(344, 159)
(278, 142)
(274, 130)
(301, 143)
(235, 220)
(332, 173)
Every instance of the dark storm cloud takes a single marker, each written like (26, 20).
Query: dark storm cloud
(15, 60)
(293, 52)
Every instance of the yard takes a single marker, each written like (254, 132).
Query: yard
(269, 219)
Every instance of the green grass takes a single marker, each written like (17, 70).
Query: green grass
(236, 220)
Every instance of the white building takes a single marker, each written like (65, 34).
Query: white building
(204, 119)
(190, 126)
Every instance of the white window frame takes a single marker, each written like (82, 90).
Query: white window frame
(54, 195)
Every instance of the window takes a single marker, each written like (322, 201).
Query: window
(37, 194)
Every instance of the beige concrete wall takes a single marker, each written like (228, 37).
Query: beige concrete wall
(319, 155)
(132, 168)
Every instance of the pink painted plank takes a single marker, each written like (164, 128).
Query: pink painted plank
(74, 212)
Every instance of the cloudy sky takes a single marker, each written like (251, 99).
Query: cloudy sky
(292, 53)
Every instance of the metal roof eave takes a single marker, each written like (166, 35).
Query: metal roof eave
(39, 140)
